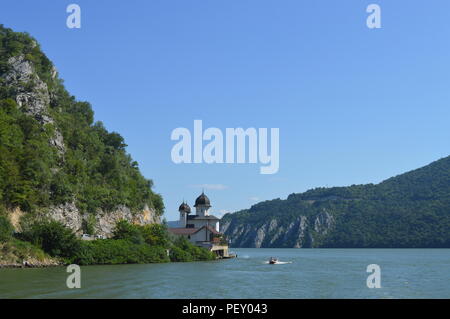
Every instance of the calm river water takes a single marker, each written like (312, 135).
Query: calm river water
(310, 273)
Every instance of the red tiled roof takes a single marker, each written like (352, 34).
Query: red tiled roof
(212, 230)
(183, 231)
(190, 231)
(197, 217)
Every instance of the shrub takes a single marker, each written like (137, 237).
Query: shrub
(6, 229)
(127, 231)
(54, 238)
(88, 224)
(155, 235)
(183, 250)
(179, 255)
(118, 251)
(23, 250)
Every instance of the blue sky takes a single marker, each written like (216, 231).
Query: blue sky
(353, 105)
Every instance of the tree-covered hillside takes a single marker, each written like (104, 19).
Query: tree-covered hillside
(51, 151)
(62, 174)
(409, 210)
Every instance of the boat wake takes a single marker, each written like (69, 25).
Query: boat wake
(279, 262)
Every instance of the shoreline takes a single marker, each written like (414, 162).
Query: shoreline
(27, 264)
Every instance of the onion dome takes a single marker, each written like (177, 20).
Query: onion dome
(184, 208)
(202, 200)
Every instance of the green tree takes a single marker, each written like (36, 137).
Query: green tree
(6, 229)
(155, 235)
(127, 231)
(53, 237)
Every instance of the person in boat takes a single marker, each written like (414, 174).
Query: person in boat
(272, 260)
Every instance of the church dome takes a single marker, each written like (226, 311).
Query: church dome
(184, 208)
(202, 200)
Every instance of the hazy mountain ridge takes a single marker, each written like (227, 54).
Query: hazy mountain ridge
(408, 210)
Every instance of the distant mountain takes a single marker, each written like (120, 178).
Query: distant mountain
(409, 210)
(172, 224)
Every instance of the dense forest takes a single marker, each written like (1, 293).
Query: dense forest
(92, 166)
(409, 210)
(52, 153)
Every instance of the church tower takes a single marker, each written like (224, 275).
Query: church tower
(202, 205)
(184, 210)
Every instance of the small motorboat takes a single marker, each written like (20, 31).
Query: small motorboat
(273, 260)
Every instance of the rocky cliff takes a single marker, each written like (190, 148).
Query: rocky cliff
(32, 94)
(102, 222)
(300, 232)
(83, 177)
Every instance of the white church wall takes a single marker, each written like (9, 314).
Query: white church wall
(199, 236)
(200, 223)
(201, 211)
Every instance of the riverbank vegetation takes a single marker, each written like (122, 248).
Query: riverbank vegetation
(15, 252)
(131, 244)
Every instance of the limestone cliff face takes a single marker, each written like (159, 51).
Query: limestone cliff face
(300, 232)
(104, 222)
(34, 97)
(32, 94)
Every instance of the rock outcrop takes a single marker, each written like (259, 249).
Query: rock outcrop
(106, 221)
(32, 94)
(31, 262)
(301, 232)
(103, 222)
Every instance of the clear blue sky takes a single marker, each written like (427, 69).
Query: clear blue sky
(353, 105)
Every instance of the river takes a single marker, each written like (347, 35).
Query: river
(309, 273)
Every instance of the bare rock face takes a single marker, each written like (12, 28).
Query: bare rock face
(69, 215)
(21, 70)
(279, 231)
(260, 235)
(323, 222)
(105, 222)
(32, 95)
(15, 216)
(273, 225)
(299, 233)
